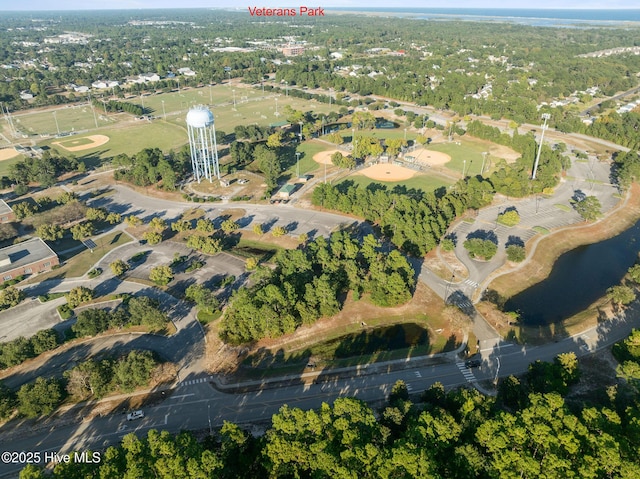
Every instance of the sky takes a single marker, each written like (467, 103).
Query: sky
(243, 4)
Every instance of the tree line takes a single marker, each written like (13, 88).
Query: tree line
(311, 282)
(114, 106)
(95, 378)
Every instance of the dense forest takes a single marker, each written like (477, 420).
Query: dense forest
(534, 428)
(311, 282)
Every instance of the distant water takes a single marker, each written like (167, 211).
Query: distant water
(525, 16)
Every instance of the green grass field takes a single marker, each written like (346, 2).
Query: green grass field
(307, 164)
(130, 140)
(466, 151)
(71, 118)
(422, 182)
(6, 164)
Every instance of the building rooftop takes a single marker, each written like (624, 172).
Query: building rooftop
(4, 208)
(25, 253)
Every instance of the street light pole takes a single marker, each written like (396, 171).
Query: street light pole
(545, 117)
(209, 416)
(495, 380)
(298, 164)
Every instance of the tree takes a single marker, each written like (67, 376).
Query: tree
(229, 226)
(479, 248)
(516, 253)
(278, 231)
(39, 397)
(634, 273)
(67, 197)
(180, 226)
(118, 267)
(257, 229)
(11, 296)
(133, 221)
(24, 209)
(96, 214)
(79, 295)
(50, 232)
(152, 237)
(82, 230)
(589, 208)
(157, 224)
(114, 218)
(203, 297)
(134, 370)
(621, 295)
(161, 275)
(205, 225)
(146, 311)
(509, 218)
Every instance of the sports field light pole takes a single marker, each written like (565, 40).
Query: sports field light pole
(484, 157)
(300, 123)
(545, 117)
(234, 99)
(277, 106)
(164, 113)
(55, 118)
(286, 88)
(298, 164)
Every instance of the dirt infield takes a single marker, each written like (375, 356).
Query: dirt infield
(324, 157)
(95, 141)
(8, 153)
(430, 157)
(388, 172)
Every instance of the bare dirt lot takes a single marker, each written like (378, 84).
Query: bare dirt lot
(8, 153)
(430, 157)
(324, 157)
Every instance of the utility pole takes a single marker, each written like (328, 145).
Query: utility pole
(545, 117)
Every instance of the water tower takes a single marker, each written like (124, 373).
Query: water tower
(202, 141)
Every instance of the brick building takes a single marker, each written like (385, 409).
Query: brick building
(6, 213)
(29, 257)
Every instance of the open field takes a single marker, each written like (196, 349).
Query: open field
(69, 118)
(130, 139)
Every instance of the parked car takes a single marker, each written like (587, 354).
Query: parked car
(139, 414)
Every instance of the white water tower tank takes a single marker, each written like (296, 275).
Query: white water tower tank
(202, 143)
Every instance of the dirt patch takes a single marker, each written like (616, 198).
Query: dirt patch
(324, 157)
(95, 141)
(388, 172)
(430, 157)
(8, 153)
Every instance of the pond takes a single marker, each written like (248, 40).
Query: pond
(579, 277)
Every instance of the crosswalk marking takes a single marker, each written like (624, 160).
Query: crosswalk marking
(471, 283)
(409, 388)
(196, 381)
(417, 373)
(466, 372)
